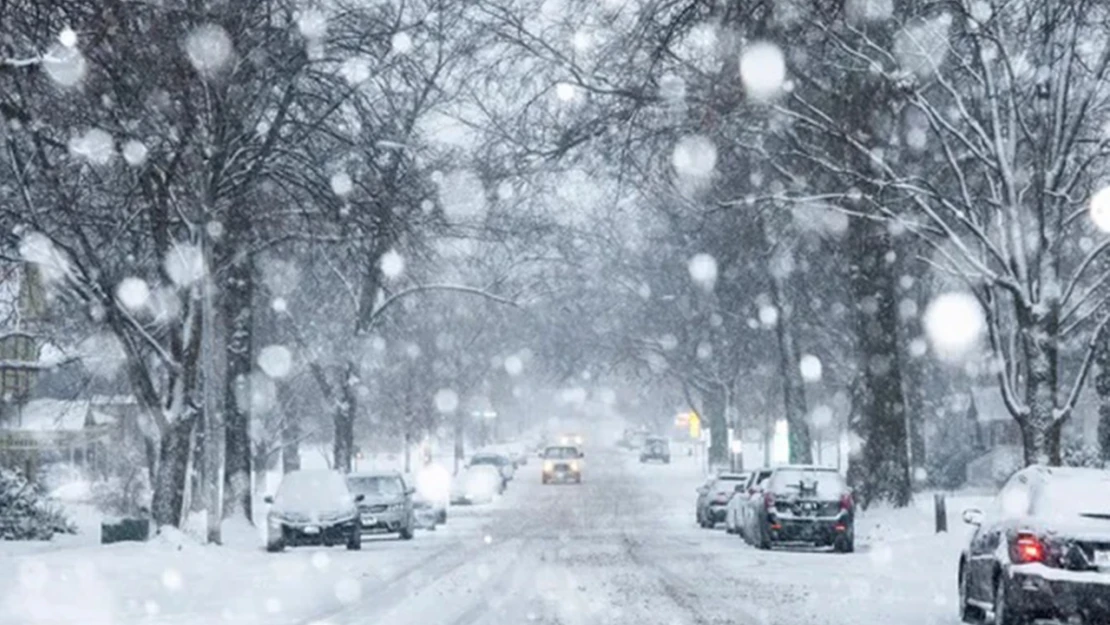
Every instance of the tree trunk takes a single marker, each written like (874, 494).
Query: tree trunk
(290, 446)
(885, 470)
(714, 406)
(172, 473)
(460, 449)
(793, 391)
(1040, 432)
(344, 445)
(1102, 390)
(237, 294)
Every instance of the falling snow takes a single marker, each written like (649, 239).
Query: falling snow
(762, 70)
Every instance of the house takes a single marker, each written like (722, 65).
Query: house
(81, 432)
(997, 438)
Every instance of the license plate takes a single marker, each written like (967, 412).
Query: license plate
(311, 529)
(369, 520)
(1102, 559)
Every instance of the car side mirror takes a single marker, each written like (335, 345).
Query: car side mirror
(581, 454)
(268, 499)
(973, 516)
(410, 490)
(359, 498)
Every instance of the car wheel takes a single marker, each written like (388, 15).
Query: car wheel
(354, 541)
(275, 546)
(406, 532)
(764, 539)
(441, 518)
(1005, 613)
(845, 543)
(968, 612)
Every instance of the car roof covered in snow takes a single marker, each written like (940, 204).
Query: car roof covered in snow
(379, 473)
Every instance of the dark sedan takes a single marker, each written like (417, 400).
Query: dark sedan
(1042, 551)
(802, 504)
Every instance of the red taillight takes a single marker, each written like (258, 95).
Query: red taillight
(1027, 548)
(769, 500)
(846, 502)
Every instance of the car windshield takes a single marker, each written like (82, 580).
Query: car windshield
(1084, 495)
(647, 242)
(826, 484)
(312, 491)
(377, 486)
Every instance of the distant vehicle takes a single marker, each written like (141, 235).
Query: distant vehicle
(503, 463)
(636, 439)
(737, 508)
(477, 484)
(713, 496)
(386, 504)
(562, 463)
(313, 508)
(1042, 551)
(801, 504)
(433, 488)
(656, 448)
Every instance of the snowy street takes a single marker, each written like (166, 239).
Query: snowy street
(622, 548)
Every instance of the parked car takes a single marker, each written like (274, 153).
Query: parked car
(656, 448)
(433, 487)
(386, 505)
(1041, 551)
(562, 463)
(313, 508)
(737, 508)
(503, 463)
(713, 496)
(477, 484)
(802, 504)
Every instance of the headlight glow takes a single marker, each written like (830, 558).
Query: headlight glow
(548, 465)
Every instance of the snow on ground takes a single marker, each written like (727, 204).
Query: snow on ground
(621, 548)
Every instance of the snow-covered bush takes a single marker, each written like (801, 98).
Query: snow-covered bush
(1077, 454)
(25, 512)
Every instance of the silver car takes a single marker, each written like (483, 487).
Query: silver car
(386, 504)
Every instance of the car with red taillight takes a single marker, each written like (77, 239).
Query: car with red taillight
(801, 504)
(1041, 551)
(713, 497)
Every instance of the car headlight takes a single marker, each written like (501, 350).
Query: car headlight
(548, 465)
(396, 507)
(573, 465)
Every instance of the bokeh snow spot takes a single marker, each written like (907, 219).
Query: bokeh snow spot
(1100, 209)
(38, 249)
(703, 270)
(694, 157)
(672, 88)
(95, 146)
(133, 293)
(392, 264)
(462, 194)
(822, 416)
(171, 580)
(275, 361)
(65, 65)
(341, 184)
(487, 539)
(810, 366)
(704, 350)
(102, 354)
(68, 37)
(401, 43)
(348, 590)
(320, 560)
(446, 400)
(312, 24)
(762, 70)
(279, 305)
(151, 607)
(134, 152)
(355, 70)
(768, 315)
(514, 366)
(566, 92)
(184, 264)
(209, 49)
(955, 324)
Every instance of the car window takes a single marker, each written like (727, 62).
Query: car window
(560, 453)
(1085, 495)
(312, 491)
(820, 483)
(1015, 498)
(376, 485)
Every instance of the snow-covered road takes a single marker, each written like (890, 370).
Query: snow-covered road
(620, 548)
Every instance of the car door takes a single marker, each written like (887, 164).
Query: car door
(982, 550)
(753, 496)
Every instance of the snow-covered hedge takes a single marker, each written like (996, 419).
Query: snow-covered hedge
(25, 512)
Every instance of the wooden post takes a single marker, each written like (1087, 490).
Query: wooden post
(941, 512)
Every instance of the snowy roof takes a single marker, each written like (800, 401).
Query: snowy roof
(58, 414)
